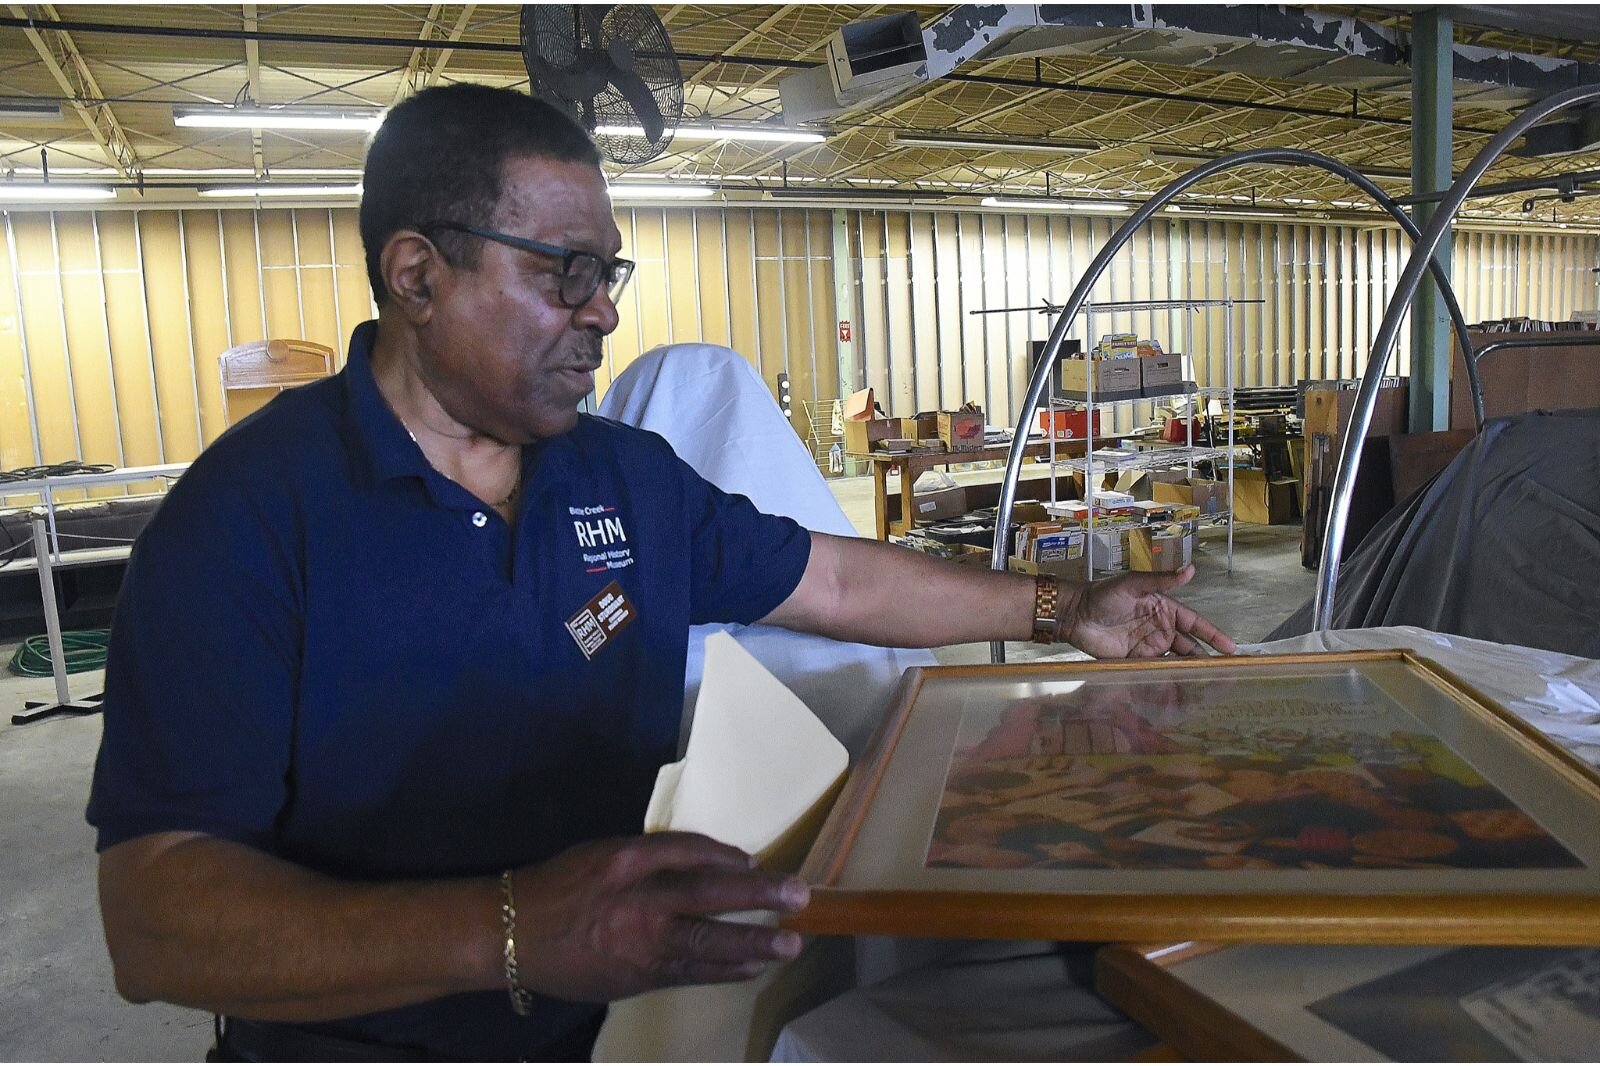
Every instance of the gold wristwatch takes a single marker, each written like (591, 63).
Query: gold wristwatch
(1046, 608)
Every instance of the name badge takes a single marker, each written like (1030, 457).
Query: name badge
(602, 618)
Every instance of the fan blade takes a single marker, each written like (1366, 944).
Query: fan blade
(594, 20)
(641, 100)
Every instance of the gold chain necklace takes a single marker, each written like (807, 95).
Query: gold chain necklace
(516, 485)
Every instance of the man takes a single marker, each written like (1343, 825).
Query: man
(396, 662)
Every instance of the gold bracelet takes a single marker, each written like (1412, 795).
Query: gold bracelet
(1046, 608)
(521, 998)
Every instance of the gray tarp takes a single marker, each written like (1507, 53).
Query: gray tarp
(1503, 545)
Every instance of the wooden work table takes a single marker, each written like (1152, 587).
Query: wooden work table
(913, 464)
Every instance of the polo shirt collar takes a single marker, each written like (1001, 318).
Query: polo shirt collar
(384, 448)
(375, 433)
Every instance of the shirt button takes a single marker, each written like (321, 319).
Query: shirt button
(480, 519)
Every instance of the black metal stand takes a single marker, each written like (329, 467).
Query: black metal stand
(39, 710)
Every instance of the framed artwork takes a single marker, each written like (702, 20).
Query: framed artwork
(1329, 798)
(1342, 1003)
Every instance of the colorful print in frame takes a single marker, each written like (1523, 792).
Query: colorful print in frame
(1231, 773)
(1333, 798)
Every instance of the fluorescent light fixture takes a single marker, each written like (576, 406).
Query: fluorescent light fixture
(835, 193)
(722, 133)
(354, 173)
(30, 110)
(628, 191)
(20, 192)
(993, 144)
(1107, 208)
(302, 191)
(276, 118)
(1224, 210)
(243, 172)
(199, 172)
(80, 172)
(1181, 155)
(1195, 155)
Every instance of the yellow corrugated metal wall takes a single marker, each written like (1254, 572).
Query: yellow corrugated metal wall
(1324, 287)
(759, 281)
(111, 322)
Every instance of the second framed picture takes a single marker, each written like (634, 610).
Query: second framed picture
(1356, 798)
(1343, 1003)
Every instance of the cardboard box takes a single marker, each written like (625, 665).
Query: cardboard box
(858, 406)
(961, 431)
(1156, 511)
(1135, 483)
(1068, 569)
(936, 505)
(1112, 500)
(1068, 425)
(1075, 511)
(1160, 549)
(1265, 502)
(1327, 410)
(973, 556)
(1211, 497)
(1160, 375)
(1025, 511)
(1114, 379)
(1110, 550)
(920, 427)
(1070, 349)
(861, 437)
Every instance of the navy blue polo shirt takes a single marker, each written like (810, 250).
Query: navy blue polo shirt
(329, 651)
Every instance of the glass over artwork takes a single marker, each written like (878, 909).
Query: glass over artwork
(1320, 772)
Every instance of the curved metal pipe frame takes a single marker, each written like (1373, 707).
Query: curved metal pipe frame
(1533, 340)
(1080, 296)
(1422, 257)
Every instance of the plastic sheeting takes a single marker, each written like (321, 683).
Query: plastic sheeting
(1556, 693)
(1504, 545)
(719, 416)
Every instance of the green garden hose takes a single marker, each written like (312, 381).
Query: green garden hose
(85, 650)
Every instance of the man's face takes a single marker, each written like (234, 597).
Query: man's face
(500, 352)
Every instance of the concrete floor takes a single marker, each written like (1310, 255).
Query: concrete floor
(57, 1002)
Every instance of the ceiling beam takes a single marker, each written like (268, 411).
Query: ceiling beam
(693, 156)
(749, 37)
(66, 64)
(252, 70)
(418, 58)
(454, 36)
(421, 72)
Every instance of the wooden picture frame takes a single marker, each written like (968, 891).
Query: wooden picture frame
(1465, 824)
(1341, 1003)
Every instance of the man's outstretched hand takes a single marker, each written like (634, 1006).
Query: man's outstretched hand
(1129, 616)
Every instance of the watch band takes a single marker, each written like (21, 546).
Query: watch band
(1046, 604)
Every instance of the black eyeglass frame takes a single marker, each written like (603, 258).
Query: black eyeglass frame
(614, 273)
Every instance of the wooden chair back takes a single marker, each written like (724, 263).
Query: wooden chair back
(253, 373)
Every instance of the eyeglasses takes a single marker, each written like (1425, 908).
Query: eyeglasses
(582, 273)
